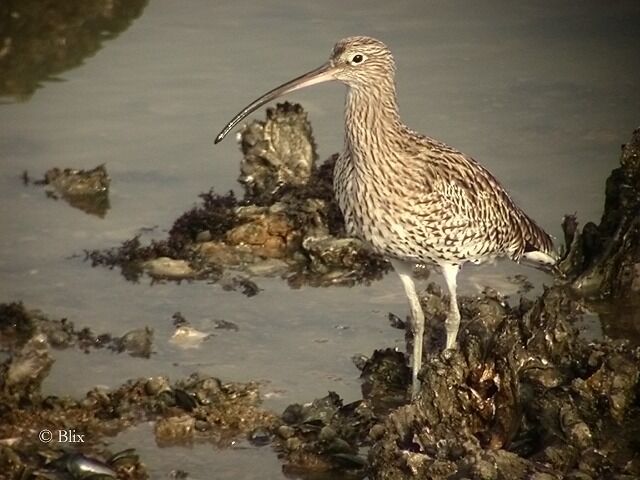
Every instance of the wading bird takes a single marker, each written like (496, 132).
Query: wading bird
(409, 197)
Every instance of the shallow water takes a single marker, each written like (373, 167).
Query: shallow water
(541, 97)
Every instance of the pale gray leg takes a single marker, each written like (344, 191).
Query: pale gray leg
(405, 272)
(452, 323)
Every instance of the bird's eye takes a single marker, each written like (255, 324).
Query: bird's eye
(357, 58)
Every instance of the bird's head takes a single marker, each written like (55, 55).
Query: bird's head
(361, 61)
(355, 61)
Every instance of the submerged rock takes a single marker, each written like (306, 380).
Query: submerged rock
(137, 342)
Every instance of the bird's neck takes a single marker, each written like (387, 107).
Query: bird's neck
(372, 119)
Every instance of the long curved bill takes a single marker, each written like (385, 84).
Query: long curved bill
(321, 74)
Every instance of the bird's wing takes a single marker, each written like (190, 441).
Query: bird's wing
(466, 205)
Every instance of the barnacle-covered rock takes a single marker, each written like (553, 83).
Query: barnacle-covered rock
(523, 397)
(277, 153)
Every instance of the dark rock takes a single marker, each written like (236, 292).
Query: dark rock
(604, 260)
(522, 380)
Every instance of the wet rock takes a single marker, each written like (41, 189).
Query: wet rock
(604, 260)
(169, 268)
(175, 430)
(179, 319)
(74, 183)
(220, 253)
(279, 151)
(266, 235)
(324, 435)
(16, 324)
(137, 342)
(396, 322)
(270, 267)
(199, 408)
(19, 325)
(245, 285)
(22, 374)
(203, 236)
(131, 258)
(523, 380)
(260, 437)
(157, 385)
(87, 190)
(385, 377)
(188, 337)
(610, 383)
(338, 260)
(225, 325)
(523, 397)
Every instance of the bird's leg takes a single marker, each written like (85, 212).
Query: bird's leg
(405, 272)
(452, 322)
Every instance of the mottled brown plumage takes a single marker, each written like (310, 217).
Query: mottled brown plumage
(409, 197)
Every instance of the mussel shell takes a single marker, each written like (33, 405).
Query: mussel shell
(128, 456)
(85, 468)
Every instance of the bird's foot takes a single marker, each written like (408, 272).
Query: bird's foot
(415, 390)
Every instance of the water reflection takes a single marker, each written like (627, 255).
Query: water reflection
(42, 39)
